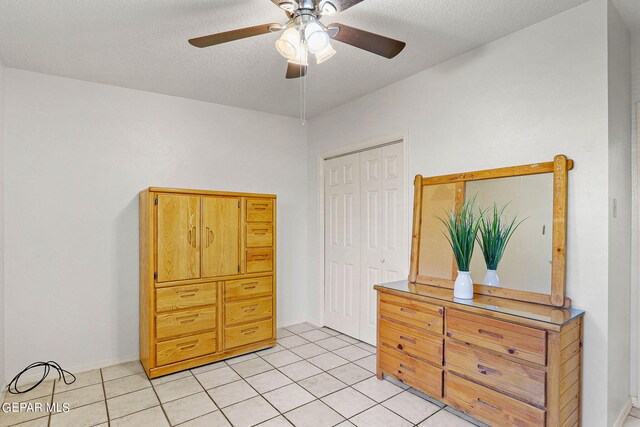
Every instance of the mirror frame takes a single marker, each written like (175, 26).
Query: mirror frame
(560, 166)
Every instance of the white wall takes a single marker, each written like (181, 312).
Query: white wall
(619, 54)
(2, 294)
(77, 154)
(635, 296)
(521, 99)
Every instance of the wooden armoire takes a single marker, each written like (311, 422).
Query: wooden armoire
(207, 276)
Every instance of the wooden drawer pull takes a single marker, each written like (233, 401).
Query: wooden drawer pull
(406, 310)
(407, 368)
(410, 340)
(259, 257)
(260, 232)
(187, 319)
(187, 291)
(249, 286)
(484, 370)
(187, 345)
(491, 334)
(250, 331)
(249, 308)
(489, 405)
(259, 206)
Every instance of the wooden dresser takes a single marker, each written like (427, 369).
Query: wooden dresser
(503, 362)
(207, 276)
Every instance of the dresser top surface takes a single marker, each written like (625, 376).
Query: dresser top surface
(542, 313)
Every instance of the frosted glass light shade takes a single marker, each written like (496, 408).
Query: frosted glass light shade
(317, 38)
(289, 45)
(325, 54)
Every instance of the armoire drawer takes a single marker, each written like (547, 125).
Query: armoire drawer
(185, 348)
(248, 311)
(412, 342)
(236, 336)
(503, 337)
(259, 235)
(525, 382)
(186, 322)
(411, 312)
(413, 372)
(248, 288)
(259, 210)
(489, 406)
(186, 296)
(259, 260)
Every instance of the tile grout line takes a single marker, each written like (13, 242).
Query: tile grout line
(104, 393)
(211, 398)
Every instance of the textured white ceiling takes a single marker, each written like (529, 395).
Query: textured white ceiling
(142, 44)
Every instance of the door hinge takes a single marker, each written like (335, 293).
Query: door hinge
(155, 200)
(155, 275)
(238, 204)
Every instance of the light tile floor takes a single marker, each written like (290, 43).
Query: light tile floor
(313, 377)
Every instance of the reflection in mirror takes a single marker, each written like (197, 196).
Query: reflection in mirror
(526, 264)
(436, 257)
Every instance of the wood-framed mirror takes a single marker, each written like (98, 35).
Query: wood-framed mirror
(533, 266)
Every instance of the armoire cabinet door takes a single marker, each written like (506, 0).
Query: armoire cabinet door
(178, 237)
(221, 236)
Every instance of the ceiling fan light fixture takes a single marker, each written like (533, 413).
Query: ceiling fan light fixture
(325, 54)
(289, 6)
(288, 45)
(328, 8)
(317, 39)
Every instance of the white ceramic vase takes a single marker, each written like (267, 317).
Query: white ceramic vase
(463, 286)
(491, 278)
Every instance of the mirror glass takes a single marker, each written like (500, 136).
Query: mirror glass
(526, 263)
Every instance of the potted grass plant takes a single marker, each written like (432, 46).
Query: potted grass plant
(462, 229)
(494, 235)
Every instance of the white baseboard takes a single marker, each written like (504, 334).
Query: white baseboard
(296, 322)
(624, 413)
(26, 379)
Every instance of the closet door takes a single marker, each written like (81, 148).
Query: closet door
(178, 237)
(371, 226)
(382, 222)
(221, 236)
(342, 244)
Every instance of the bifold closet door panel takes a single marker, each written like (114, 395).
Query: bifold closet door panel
(221, 236)
(178, 237)
(342, 244)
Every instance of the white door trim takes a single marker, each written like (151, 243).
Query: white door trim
(403, 138)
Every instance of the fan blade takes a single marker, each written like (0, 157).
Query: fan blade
(229, 36)
(340, 5)
(295, 70)
(374, 43)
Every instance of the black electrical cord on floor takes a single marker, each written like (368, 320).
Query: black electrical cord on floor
(62, 375)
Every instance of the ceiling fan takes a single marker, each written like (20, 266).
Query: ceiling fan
(304, 34)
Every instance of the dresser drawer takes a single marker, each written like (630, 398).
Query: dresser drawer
(414, 313)
(259, 210)
(524, 382)
(503, 337)
(259, 260)
(259, 235)
(248, 288)
(237, 336)
(248, 311)
(187, 322)
(411, 341)
(187, 296)
(413, 372)
(185, 348)
(489, 406)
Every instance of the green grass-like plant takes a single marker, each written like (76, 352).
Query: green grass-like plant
(462, 229)
(495, 233)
